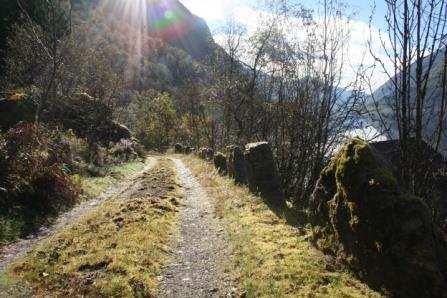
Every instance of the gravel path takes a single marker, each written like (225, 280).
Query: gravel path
(196, 270)
(14, 251)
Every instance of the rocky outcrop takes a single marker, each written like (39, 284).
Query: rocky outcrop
(262, 173)
(373, 227)
(220, 162)
(236, 166)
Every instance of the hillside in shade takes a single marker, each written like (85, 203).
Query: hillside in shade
(384, 97)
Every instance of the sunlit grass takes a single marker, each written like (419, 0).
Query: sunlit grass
(116, 251)
(270, 257)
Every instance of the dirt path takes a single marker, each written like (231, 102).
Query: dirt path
(196, 270)
(14, 251)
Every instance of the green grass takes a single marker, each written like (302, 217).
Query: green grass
(116, 251)
(272, 258)
(93, 186)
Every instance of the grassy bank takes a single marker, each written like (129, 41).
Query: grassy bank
(118, 250)
(271, 258)
(21, 222)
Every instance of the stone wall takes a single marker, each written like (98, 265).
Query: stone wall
(236, 165)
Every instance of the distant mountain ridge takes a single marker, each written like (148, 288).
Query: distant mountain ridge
(383, 96)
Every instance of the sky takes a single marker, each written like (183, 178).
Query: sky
(246, 12)
(215, 11)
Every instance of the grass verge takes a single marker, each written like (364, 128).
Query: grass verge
(116, 251)
(270, 257)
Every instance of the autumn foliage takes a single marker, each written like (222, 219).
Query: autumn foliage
(34, 181)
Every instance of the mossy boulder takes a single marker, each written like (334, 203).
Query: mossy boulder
(220, 162)
(236, 165)
(262, 173)
(178, 148)
(373, 227)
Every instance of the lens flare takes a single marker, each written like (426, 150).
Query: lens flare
(138, 24)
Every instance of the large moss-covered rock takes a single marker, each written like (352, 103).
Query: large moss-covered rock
(371, 225)
(236, 166)
(220, 162)
(262, 171)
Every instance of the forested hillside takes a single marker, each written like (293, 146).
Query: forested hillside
(143, 154)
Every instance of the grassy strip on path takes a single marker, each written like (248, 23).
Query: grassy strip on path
(116, 251)
(270, 257)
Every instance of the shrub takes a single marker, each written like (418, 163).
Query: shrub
(34, 178)
(17, 107)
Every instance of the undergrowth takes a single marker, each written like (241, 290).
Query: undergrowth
(270, 257)
(34, 183)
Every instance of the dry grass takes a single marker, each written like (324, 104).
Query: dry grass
(117, 251)
(271, 258)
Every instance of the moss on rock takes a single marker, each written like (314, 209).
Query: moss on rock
(369, 224)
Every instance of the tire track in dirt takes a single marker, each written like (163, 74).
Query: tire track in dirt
(196, 269)
(18, 249)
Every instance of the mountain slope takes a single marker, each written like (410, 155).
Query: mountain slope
(384, 97)
(167, 20)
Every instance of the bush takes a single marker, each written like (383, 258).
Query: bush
(34, 178)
